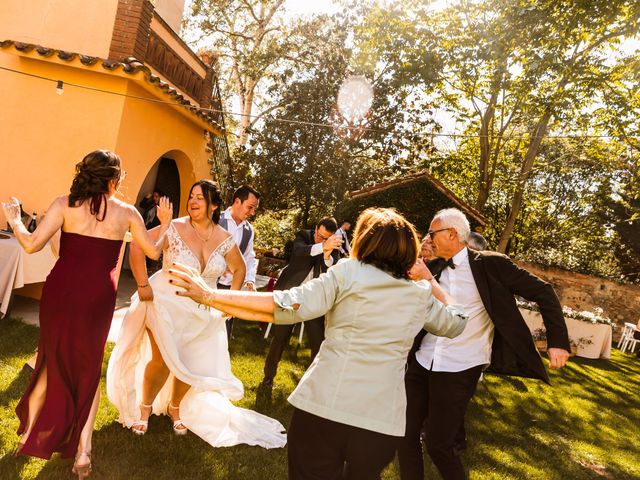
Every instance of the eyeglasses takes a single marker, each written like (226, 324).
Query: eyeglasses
(431, 233)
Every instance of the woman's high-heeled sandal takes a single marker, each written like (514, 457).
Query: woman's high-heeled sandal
(82, 471)
(16, 452)
(179, 428)
(144, 424)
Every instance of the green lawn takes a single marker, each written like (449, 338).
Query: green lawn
(585, 426)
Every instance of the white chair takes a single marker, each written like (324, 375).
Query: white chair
(266, 333)
(628, 327)
(627, 340)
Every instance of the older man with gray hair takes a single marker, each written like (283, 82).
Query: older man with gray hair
(443, 373)
(477, 241)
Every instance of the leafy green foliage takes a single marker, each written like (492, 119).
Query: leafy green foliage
(275, 228)
(511, 74)
(305, 155)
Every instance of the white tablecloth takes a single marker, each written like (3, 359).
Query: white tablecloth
(18, 268)
(592, 339)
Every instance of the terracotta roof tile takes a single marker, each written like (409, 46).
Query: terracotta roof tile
(130, 66)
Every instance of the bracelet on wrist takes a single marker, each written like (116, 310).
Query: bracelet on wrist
(142, 286)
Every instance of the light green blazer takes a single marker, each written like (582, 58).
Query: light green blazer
(357, 378)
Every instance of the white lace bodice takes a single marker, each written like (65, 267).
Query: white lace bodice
(179, 252)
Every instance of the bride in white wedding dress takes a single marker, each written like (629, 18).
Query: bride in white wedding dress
(172, 356)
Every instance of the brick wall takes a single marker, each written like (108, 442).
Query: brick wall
(620, 302)
(131, 30)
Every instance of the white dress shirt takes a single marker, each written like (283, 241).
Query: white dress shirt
(473, 346)
(345, 248)
(316, 250)
(249, 255)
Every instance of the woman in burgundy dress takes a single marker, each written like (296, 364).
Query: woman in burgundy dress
(58, 409)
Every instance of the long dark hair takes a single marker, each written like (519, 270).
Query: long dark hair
(93, 175)
(212, 196)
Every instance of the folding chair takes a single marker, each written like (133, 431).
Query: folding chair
(627, 330)
(628, 341)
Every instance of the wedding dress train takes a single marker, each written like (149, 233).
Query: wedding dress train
(193, 342)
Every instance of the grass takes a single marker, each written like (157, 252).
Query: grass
(584, 427)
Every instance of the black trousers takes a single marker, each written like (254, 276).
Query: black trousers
(281, 335)
(228, 323)
(440, 398)
(321, 449)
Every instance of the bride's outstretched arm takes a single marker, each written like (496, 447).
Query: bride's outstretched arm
(258, 306)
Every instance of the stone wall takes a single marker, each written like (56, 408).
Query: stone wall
(620, 302)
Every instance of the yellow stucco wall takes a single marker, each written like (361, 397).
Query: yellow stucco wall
(149, 131)
(84, 26)
(43, 135)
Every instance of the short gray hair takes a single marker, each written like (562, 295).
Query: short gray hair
(454, 218)
(477, 241)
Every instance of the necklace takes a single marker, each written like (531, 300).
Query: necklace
(205, 240)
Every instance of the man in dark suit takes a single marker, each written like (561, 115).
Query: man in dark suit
(443, 373)
(313, 252)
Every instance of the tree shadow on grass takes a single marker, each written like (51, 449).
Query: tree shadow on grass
(11, 466)
(247, 339)
(16, 388)
(161, 455)
(570, 428)
(17, 339)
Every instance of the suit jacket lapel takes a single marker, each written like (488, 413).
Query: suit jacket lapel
(480, 277)
(436, 266)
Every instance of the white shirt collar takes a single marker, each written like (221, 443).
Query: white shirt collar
(460, 257)
(227, 214)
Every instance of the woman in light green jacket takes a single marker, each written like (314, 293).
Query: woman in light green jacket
(350, 404)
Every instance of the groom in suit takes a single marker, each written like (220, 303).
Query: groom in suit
(442, 373)
(313, 252)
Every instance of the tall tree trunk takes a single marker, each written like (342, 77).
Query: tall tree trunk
(488, 149)
(525, 172)
(246, 108)
(485, 152)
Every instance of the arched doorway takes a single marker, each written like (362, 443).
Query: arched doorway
(163, 177)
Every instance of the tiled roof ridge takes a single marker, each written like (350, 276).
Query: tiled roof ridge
(433, 180)
(131, 65)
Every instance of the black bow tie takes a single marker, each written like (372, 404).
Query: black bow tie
(449, 263)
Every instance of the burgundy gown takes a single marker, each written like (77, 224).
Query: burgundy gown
(76, 309)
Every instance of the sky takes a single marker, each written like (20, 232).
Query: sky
(310, 7)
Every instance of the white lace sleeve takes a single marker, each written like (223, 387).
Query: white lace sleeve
(226, 246)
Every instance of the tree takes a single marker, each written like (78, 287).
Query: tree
(515, 70)
(624, 216)
(305, 154)
(250, 40)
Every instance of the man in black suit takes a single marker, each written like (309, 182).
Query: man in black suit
(313, 252)
(443, 373)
